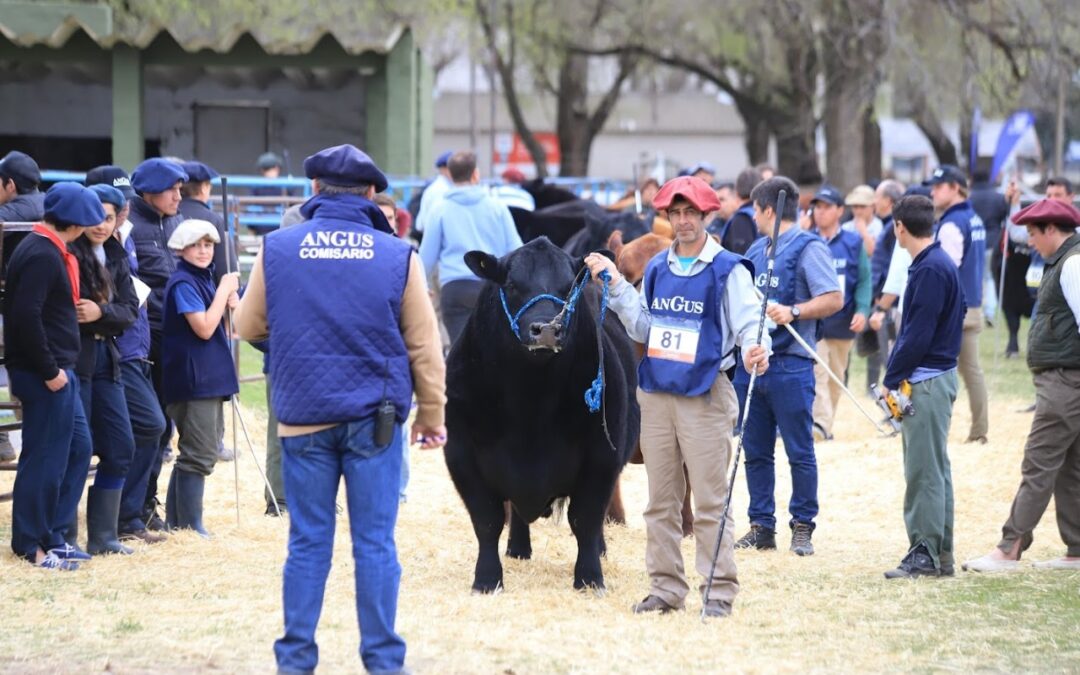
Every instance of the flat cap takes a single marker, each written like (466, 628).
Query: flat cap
(1048, 211)
(860, 195)
(443, 159)
(345, 166)
(157, 175)
(199, 172)
(193, 231)
(21, 168)
(109, 195)
(110, 174)
(946, 173)
(827, 193)
(72, 204)
(694, 190)
(268, 160)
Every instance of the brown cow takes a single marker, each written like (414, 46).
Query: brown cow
(631, 259)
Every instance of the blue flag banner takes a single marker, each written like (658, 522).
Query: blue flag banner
(1015, 127)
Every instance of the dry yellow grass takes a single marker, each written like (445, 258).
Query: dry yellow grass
(193, 605)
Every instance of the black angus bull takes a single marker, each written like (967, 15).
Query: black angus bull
(580, 226)
(518, 425)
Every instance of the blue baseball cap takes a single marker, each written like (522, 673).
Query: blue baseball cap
(72, 204)
(109, 195)
(199, 172)
(920, 190)
(827, 193)
(21, 168)
(345, 166)
(157, 175)
(946, 173)
(443, 159)
(110, 174)
(703, 166)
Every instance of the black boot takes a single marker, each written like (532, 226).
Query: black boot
(759, 537)
(189, 504)
(102, 512)
(171, 522)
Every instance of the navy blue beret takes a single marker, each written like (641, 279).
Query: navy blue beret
(110, 175)
(21, 168)
(157, 175)
(345, 166)
(443, 159)
(72, 204)
(199, 172)
(109, 195)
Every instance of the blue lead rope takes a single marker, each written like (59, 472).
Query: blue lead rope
(594, 395)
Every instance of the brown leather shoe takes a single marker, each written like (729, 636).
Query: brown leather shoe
(716, 609)
(652, 603)
(143, 535)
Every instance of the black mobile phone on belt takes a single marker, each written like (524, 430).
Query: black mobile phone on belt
(385, 421)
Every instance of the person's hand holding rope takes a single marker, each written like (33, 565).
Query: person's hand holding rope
(598, 263)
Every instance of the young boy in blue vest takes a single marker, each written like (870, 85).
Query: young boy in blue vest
(197, 367)
(963, 237)
(41, 333)
(696, 306)
(925, 357)
(804, 291)
(839, 330)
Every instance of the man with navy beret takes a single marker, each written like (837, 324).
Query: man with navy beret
(41, 333)
(195, 205)
(155, 215)
(435, 190)
(963, 236)
(342, 400)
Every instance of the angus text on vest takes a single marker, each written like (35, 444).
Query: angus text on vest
(678, 304)
(338, 245)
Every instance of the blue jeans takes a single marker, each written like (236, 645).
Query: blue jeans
(784, 398)
(106, 410)
(52, 465)
(147, 427)
(312, 466)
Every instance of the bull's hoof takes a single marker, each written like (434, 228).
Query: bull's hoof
(591, 584)
(487, 587)
(615, 519)
(518, 553)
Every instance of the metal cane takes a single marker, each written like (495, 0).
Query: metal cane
(233, 347)
(780, 202)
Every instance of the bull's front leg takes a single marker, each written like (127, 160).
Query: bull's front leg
(485, 509)
(586, 515)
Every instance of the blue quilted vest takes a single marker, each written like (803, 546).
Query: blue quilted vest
(792, 244)
(134, 343)
(193, 368)
(686, 341)
(845, 248)
(973, 263)
(333, 294)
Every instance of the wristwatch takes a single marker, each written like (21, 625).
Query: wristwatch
(795, 313)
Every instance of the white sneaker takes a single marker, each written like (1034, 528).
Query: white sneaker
(1058, 564)
(988, 564)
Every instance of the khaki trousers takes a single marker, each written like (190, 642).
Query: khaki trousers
(677, 430)
(826, 392)
(1051, 463)
(972, 375)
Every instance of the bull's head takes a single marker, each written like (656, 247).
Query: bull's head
(536, 284)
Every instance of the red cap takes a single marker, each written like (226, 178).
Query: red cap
(513, 175)
(1048, 211)
(694, 190)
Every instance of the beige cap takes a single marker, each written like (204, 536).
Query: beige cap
(191, 232)
(862, 195)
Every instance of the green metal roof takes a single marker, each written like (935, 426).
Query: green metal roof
(280, 28)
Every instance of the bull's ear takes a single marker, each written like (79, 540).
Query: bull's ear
(486, 266)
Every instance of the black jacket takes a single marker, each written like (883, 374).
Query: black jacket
(194, 209)
(25, 208)
(992, 208)
(41, 333)
(117, 315)
(157, 262)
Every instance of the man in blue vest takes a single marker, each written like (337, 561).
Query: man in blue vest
(804, 291)
(341, 399)
(739, 230)
(962, 236)
(696, 307)
(838, 331)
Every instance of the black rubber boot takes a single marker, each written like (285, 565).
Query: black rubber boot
(102, 512)
(189, 504)
(171, 522)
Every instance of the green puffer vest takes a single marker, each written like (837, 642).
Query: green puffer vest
(1054, 341)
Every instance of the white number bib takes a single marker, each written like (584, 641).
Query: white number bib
(1034, 275)
(674, 339)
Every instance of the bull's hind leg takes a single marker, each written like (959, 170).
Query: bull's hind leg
(519, 544)
(586, 515)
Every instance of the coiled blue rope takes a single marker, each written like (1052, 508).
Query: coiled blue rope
(594, 395)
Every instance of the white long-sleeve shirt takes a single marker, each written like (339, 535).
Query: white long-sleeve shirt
(1070, 286)
(896, 278)
(740, 308)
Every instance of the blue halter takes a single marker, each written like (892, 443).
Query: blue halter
(594, 394)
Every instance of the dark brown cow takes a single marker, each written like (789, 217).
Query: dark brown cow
(631, 260)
